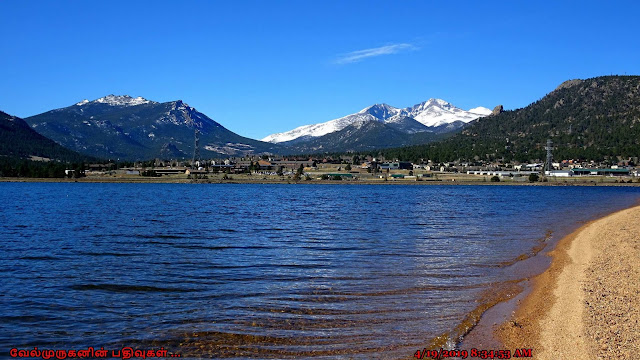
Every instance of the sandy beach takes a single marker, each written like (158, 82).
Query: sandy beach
(586, 305)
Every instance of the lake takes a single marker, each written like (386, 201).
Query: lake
(264, 271)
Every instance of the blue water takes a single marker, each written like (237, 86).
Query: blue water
(265, 270)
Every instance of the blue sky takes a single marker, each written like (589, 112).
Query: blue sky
(259, 67)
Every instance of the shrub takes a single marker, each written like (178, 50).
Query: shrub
(533, 177)
(495, 178)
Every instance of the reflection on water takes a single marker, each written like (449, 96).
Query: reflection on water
(267, 270)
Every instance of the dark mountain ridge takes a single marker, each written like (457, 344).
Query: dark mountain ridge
(365, 136)
(137, 129)
(19, 141)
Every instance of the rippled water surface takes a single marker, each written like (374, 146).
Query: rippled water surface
(266, 270)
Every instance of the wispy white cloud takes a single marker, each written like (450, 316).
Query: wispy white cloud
(356, 56)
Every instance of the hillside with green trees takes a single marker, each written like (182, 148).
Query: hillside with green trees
(18, 140)
(19, 144)
(592, 119)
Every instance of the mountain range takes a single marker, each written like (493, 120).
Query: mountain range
(365, 135)
(123, 127)
(589, 119)
(127, 128)
(433, 115)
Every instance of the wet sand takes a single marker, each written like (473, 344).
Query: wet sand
(587, 304)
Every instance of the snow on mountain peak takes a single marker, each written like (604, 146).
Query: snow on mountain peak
(436, 112)
(120, 100)
(380, 111)
(432, 103)
(85, 101)
(433, 112)
(438, 102)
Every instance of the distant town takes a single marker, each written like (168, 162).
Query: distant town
(362, 168)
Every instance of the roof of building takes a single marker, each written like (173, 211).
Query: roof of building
(602, 170)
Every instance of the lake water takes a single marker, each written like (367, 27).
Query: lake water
(262, 271)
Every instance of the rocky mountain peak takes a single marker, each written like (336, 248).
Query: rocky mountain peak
(438, 103)
(380, 111)
(569, 83)
(118, 100)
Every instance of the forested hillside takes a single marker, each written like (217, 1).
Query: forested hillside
(586, 119)
(18, 140)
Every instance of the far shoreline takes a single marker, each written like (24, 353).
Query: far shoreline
(431, 182)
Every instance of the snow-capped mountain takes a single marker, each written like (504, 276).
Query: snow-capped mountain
(121, 126)
(376, 112)
(118, 100)
(436, 112)
(365, 135)
(431, 113)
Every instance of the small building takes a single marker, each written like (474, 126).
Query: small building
(397, 165)
(101, 167)
(502, 173)
(169, 170)
(559, 173)
(265, 165)
(601, 172)
(341, 175)
(534, 167)
(221, 167)
(195, 172)
(292, 165)
(242, 166)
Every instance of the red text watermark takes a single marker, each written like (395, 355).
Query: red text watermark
(473, 354)
(91, 353)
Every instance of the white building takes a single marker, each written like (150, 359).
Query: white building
(559, 173)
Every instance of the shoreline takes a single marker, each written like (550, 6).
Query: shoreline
(585, 302)
(151, 180)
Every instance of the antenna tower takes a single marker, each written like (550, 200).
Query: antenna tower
(196, 147)
(549, 163)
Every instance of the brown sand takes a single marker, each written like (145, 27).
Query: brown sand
(585, 306)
